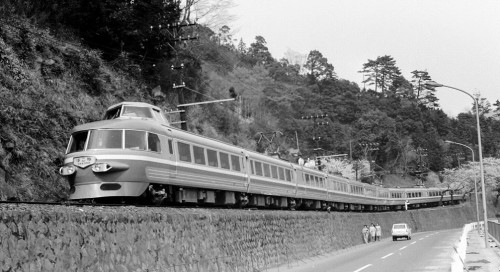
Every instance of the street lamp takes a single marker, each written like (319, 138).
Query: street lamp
(475, 179)
(476, 103)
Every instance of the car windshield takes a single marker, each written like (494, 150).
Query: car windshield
(399, 226)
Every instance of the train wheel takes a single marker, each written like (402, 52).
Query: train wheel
(157, 194)
(292, 204)
(242, 200)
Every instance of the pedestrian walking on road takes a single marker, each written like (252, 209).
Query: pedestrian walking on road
(373, 231)
(365, 233)
(378, 232)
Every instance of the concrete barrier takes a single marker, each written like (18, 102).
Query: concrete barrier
(459, 249)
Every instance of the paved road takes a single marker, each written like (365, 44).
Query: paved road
(425, 252)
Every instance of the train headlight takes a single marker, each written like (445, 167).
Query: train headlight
(67, 170)
(101, 167)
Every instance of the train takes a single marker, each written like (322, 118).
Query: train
(134, 153)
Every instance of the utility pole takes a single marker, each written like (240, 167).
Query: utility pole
(316, 138)
(176, 41)
(421, 152)
(368, 147)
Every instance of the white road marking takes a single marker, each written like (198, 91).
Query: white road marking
(366, 266)
(403, 248)
(414, 242)
(387, 255)
(421, 239)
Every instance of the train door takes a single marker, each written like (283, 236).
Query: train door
(170, 155)
(246, 169)
(295, 179)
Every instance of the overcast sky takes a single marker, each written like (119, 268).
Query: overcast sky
(456, 41)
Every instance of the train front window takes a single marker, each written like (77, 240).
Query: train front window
(104, 139)
(133, 111)
(77, 142)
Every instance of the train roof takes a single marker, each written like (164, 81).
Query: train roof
(129, 103)
(134, 124)
(139, 110)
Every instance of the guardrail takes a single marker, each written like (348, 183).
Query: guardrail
(494, 230)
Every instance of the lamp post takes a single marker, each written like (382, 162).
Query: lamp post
(476, 104)
(475, 179)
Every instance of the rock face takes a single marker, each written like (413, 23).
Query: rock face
(7, 192)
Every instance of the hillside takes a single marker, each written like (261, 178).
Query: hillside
(58, 71)
(49, 85)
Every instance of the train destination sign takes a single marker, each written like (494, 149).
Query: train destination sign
(84, 162)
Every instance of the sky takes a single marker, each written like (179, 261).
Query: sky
(456, 41)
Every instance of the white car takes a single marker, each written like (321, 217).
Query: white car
(401, 230)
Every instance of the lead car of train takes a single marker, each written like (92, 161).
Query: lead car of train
(135, 154)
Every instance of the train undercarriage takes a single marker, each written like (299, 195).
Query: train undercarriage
(169, 195)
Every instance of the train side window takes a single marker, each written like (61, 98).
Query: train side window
(307, 179)
(321, 182)
(199, 155)
(170, 147)
(281, 173)
(317, 181)
(274, 172)
(224, 160)
(258, 168)
(184, 152)
(267, 172)
(135, 140)
(288, 175)
(158, 115)
(212, 158)
(113, 113)
(154, 142)
(235, 163)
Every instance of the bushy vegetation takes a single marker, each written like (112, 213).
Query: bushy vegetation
(64, 62)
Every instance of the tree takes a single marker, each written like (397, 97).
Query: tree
(381, 72)
(318, 66)
(284, 71)
(242, 47)
(212, 14)
(484, 106)
(225, 38)
(118, 28)
(424, 94)
(259, 53)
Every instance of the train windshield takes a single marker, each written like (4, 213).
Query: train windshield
(128, 111)
(114, 139)
(133, 111)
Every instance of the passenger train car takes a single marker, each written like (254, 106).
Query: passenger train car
(135, 153)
